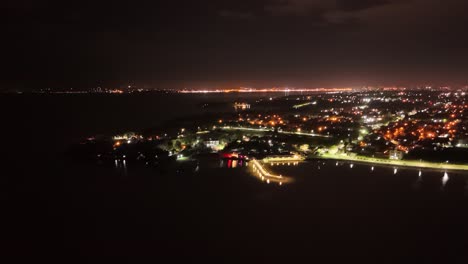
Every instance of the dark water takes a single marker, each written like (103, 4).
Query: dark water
(68, 210)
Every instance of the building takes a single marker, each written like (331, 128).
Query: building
(396, 154)
(241, 106)
(211, 143)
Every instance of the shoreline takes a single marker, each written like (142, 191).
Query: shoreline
(399, 163)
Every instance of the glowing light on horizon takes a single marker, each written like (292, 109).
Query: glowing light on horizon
(265, 90)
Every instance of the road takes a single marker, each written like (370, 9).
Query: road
(279, 132)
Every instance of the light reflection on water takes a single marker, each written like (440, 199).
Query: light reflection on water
(121, 166)
(356, 175)
(445, 179)
(233, 163)
(414, 178)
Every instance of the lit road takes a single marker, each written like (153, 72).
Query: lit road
(304, 104)
(402, 163)
(279, 132)
(283, 159)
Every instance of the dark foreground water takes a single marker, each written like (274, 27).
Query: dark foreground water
(69, 211)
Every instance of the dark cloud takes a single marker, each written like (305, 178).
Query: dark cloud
(356, 5)
(236, 42)
(235, 15)
(299, 7)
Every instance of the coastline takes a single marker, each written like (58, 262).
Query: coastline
(400, 163)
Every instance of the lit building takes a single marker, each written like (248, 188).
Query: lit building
(211, 143)
(241, 106)
(396, 154)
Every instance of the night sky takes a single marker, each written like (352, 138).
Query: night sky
(225, 43)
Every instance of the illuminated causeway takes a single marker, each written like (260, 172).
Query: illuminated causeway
(264, 175)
